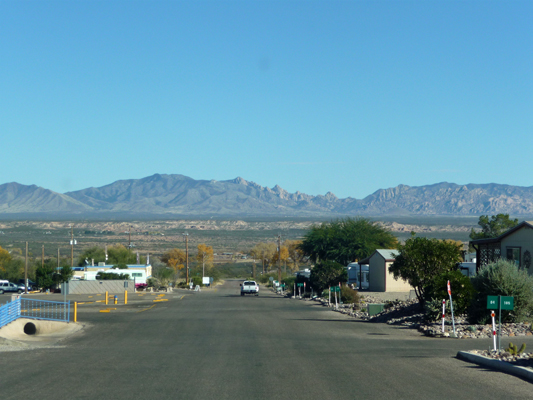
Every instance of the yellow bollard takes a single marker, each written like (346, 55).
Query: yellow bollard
(116, 299)
(75, 311)
(125, 297)
(106, 300)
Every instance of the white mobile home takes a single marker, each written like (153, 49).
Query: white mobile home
(358, 273)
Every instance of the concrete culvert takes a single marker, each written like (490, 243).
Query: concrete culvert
(30, 328)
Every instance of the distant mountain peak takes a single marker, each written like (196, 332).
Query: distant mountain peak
(239, 181)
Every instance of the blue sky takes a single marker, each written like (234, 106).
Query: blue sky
(315, 96)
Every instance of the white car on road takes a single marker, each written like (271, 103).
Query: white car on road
(249, 287)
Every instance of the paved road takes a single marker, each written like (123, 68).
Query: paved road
(219, 345)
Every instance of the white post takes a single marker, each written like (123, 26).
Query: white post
(451, 307)
(329, 301)
(493, 315)
(443, 313)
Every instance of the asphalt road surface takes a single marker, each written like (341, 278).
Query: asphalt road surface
(218, 345)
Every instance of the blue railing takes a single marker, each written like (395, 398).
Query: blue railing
(35, 309)
(45, 309)
(9, 312)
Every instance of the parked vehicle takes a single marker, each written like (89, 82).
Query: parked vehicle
(6, 286)
(249, 287)
(31, 285)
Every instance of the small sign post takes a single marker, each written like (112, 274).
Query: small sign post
(451, 307)
(443, 313)
(493, 328)
(500, 303)
(300, 285)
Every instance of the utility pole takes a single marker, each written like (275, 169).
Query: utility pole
(26, 271)
(58, 258)
(187, 256)
(279, 258)
(42, 258)
(71, 246)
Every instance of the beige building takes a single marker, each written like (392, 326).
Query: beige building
(516, 245)
(379, 277)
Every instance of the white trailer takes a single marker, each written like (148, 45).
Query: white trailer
(356, 273)
(468, 268)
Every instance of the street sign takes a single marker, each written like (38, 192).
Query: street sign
(492, 302)
(335, 289)
(507, 302)
(271, 279)
(300, 284)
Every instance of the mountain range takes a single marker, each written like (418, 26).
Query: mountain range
(181, 196)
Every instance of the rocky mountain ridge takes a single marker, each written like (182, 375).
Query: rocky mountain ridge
(179, 195)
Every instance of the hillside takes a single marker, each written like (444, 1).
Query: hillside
(178, 195)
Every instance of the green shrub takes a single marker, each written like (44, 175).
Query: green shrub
(327, 273)
(289, 283)
(349, 295)
(197, 280)
(433, 309)
(462, 292)
(502, 278)
(110, 276)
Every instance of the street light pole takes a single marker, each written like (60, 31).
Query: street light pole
(71, 246)
(279, 258)
(187, 255)
(26, 271)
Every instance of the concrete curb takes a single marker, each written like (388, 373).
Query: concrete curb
(521, 372)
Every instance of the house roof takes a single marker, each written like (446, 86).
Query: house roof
(527, 224)
(387, 254)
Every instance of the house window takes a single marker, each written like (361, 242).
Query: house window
(137, 274)
(513, 254)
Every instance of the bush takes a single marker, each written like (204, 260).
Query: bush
(327, 273)
(289, 283)
(349, 295)
(503, 278)
(462, 291)
(265, 278)
(433, 309)
(197, 281)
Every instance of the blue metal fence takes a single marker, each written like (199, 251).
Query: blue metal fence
(35, 309)
(9, 312)
(45, 309)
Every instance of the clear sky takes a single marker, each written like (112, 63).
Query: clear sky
(315, 96)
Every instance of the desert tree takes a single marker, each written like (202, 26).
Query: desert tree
(346, 240)
(420, 260)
